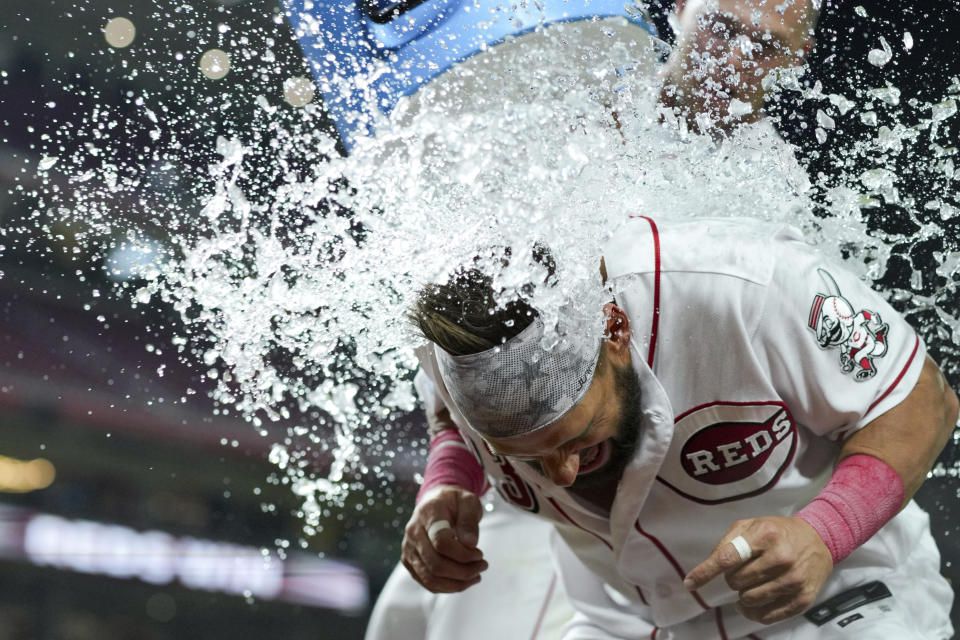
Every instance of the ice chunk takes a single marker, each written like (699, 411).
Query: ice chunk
(738, 108)
(261, 101)
(769, 81)
(889, 95)
(943, 110)
(869, 118)
(47, 162)
(907, 40)
(824, 120)
(948, 168)
(881, 181)
(880, 57)
(842, 104)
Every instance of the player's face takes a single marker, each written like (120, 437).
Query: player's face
(594, 439)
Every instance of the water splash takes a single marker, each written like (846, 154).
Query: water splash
(293, 271)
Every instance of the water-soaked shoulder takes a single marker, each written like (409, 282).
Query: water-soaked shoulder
(736, 247)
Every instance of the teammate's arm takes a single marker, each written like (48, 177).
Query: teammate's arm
(726, 48)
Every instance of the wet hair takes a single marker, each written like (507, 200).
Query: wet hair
(462, 316)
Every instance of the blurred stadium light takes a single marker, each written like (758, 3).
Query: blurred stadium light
(22, 476)
(158, 557)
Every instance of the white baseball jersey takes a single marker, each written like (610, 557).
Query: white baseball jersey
(756, 357)
(519, 597)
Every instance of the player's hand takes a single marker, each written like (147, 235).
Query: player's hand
(444, 559)
(703, 74)
(787, 567)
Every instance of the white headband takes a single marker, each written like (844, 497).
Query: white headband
(519, 387)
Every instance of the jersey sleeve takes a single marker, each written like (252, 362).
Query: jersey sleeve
(837, 352)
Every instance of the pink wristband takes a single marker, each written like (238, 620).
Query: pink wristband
(863, 494)
(451, 462)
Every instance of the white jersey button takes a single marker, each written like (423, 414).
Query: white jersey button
(654, 416)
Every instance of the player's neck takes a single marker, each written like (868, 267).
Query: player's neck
(599, 495)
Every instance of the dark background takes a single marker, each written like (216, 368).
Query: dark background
(78, 371)
(79, 382)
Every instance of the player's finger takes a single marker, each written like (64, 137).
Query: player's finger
(426, 576)
(435, 528)
(768, 565)
(790, 585)
(447, 544)
(435, 584)
(469, 512)
(734, 551)
(443, 566)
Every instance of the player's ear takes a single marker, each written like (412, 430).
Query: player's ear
(617, 330)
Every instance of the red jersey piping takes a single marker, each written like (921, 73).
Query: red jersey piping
(655, 324)
(903, 372)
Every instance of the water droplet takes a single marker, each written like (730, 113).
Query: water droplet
(298, 91)
(47, 162)
(215, 64)
(119, 32)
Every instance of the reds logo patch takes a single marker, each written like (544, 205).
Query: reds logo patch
(860, 336)
(728, 451)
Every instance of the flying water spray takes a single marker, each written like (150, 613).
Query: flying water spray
(471, 129)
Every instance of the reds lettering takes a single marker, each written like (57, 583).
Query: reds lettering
(721, 448)
(725, 451)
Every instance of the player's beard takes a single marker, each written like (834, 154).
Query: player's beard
(624, 444)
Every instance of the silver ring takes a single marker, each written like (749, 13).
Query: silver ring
(743, 548)
(435, 528)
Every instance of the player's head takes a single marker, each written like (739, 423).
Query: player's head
(571, 410)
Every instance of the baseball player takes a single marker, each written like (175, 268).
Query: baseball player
(734, 458)
(522, 588)
(522, 585)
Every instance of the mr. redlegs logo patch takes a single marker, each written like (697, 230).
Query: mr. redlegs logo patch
(726, 451)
